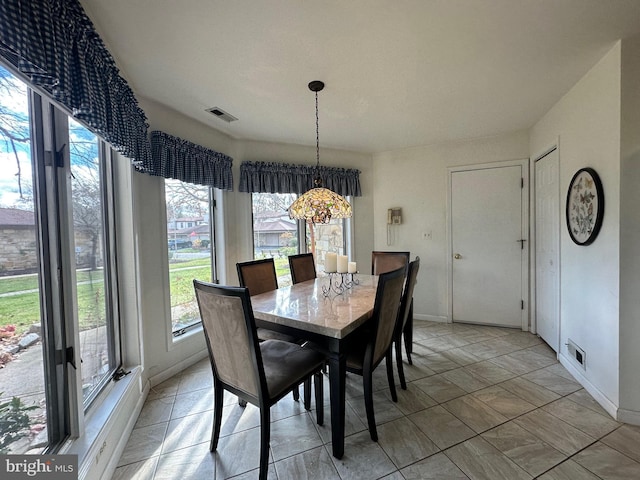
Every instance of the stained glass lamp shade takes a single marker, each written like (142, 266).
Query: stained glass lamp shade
(319, 205)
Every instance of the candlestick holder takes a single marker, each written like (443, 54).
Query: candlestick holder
(339, 283)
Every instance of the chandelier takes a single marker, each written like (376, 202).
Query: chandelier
(319, 205)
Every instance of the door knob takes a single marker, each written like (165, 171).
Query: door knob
(457, 256)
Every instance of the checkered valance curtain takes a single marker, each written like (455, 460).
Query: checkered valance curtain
(173, 157)
(54, 44)
(269, 177)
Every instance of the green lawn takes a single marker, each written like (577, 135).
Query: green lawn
(23, 309)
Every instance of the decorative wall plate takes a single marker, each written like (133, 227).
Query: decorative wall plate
(585, 206)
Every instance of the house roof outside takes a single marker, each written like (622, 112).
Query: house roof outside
(16, 217)
(202, 229)
(274, 226)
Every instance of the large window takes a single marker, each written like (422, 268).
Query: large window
(89, 170)
(58, 313)
(276, 235)
(190, 243)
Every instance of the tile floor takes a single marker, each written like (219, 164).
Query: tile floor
(482, 403)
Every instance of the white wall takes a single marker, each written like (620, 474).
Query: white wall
(162, 357)
(587, 122)
(416, 179)
(630, 233)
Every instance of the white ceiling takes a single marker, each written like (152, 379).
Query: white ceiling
(398, 73)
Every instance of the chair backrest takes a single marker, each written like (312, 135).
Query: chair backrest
(383, 262)
(258, 276)
(303, 267)
(407, 295)
(385, 313)
(230, 333)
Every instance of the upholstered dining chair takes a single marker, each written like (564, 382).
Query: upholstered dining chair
(403, 315)
(259, 276)
(382, 262)
(373, 343)
(302, 266)
(260, 373)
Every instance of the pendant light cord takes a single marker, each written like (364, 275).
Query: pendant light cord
(317, 135)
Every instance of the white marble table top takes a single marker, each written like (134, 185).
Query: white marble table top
(304, 306)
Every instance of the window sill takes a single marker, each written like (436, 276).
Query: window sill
(188, 335)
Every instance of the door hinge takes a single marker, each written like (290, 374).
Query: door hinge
(521, 182)
(521, 304)
(66, 356)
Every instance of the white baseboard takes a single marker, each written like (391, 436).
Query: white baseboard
(629, 416)
(610, 407)
(123, 438)
(177, 368)
(107, 428)
(430, 318)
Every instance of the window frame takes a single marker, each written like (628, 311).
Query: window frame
(178, 335)
(302, 229)
(66, 409)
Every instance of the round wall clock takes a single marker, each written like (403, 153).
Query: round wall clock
(585, 206)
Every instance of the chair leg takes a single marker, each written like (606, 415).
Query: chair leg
(319, 390)
(265, 432)
(307, 393)
(368, 403)
(296, 393)
(408, 334)
(398, 348)
(392, 383)
(217, 416)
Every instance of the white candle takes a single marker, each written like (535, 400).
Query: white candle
(330, 262)
(352, 267)
(342, 263)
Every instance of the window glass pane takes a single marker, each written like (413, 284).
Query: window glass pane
(323, 238)
(275, 235)
(190, 247)
(89, 238)
(23, 423)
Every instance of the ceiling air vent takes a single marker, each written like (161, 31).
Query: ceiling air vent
(221, 114)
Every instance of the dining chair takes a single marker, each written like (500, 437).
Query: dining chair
(303, 267)
(403, 316)
(382, 262)
(259, 276)
(260, 373)
(371, 344)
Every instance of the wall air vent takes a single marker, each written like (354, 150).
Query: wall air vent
(576, 353)
(218, 112)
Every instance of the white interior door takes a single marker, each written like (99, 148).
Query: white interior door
(487, 246)
(547, 224)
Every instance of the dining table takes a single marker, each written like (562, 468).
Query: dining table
(325, 311)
